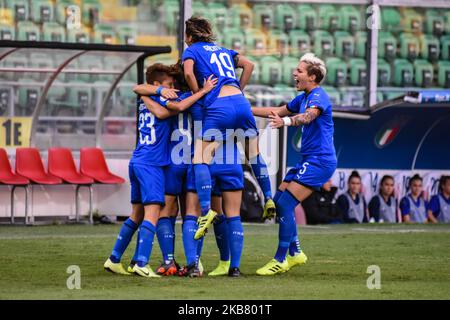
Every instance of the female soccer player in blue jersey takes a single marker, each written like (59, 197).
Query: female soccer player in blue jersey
(224, 108)
(439, 206)
(313, 110)
(413, 206)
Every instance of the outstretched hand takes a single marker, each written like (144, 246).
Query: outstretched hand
(169, 93)
(210, 83)
(275, 120)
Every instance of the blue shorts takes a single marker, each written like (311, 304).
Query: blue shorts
(312, 172)
(227, 114)
(224, 177)
(147, 184)
(176, 176)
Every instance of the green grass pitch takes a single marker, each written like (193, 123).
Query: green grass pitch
(414, 263)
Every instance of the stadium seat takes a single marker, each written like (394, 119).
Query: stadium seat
(242, 16)
(93, 164)
(218, 13)
(14, 61)
(423, 71)
(29, 165)
(112, 63)
(78, 35)
(336, 72)
(27, 31)
(61, 13)
(329, 17)
(353, 98)
(19, 8)
(104, 34)
(429, 47)
(289, 64)
(79, 98)
(284, 93)
(28, 96)
(278, 43)
(270, 70)
(54, 32)
(127, 99)
(390, 19)
(344, 44)
(447, 22)
(234, 38)
(200, 10)
(255, 42)
(5, 99)
(323, 43)
(443, 68)
(350, 18)
(409, 46)
(384, 73)
(62, 165)
(285, 17)
(300, 42)
(256, 74)
(90, 12)
(306, 17)
(7, 177)
(90, 62)
(403, 73)
(412, 20)
(42, 11)
(434, 23)
(41, 60)
(263, 16)
(126, 35)
(445, 47)
(387, 46)
(7, 32)
(358, 71)
(360, 44)
(333, 93)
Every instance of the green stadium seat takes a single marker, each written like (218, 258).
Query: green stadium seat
(78, 35)
(387, 46)
(218, 14)
(263, 16)
(242, 16)
(104, 34)
(434, 23)
(306, 17)
(447, 22)
(409, 46)
(126, 35)
(384, 73)
(278, 43)
(27, 31)
(200, 10)
(329, 17)
(5, 99)
(19, 8)
(289, 64)
(390, 19)
(270, 70)
(403, 73)
(255, 42)
(233, 38)
(443, 68)
(323, 43)
(256, 74)
(344, 44)
(429, 47)
(333, 93)
(90, 12)
(55, 96)
(42, 61)
(42, 11)
(360, 44)
(445, 47)
(6, 32)
(336, 72)
(127, 99)
(380, 97)
(89, 62)
(412, 20)
(358, 71)
(350, 18)
(423, 73)
(53, 31)
(114, 63)
(79, 98)
(389, 95)
(61, 13)
(284, 93)
(300, 42)
(285, 17)
(14, 61)
(28, 96)
(353, 98)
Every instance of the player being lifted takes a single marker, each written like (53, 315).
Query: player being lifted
(225, 108)
(313, 111)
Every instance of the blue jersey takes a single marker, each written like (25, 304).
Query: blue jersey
(317, 137)
(181, 143)
(153, 142)
(210, 59)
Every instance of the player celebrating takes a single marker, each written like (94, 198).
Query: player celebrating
(225, 108)
(318, 158)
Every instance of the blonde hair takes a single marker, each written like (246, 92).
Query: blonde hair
(316, 66)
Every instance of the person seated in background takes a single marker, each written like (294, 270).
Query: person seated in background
(439, 206)
(383, 206)
(352, 203)
(413, 206)
(320, 207)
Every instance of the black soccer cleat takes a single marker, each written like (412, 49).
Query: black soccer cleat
(234, 272)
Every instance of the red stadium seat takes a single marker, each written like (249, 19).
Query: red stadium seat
(29, 165)
(7, 177)
(93, 164)
(62, 165)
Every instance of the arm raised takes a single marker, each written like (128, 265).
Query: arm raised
(155, 108)
(188, 68)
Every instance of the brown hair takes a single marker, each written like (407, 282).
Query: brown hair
(199, 29)
(442, 181)
(176, 71)
(157, 72)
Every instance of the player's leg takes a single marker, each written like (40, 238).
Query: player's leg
(164, 232)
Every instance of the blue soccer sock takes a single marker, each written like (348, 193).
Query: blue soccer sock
(236, 240)
(164, 232)
(189, 243)
(259, 167)
(123, 240)
(173, 221)
(135, 256)
(147, 234)
(199, 249)
(294, 246)
(277, 196)
(203, 186)
(285, 211)
(221, 234)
